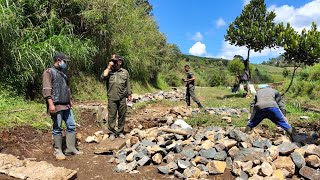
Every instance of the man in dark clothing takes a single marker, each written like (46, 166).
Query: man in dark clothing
(190, 87)
(118, 91)
(56, 91)
(268, 103)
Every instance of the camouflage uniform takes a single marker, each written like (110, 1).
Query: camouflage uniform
(190, 91)
(118, 89)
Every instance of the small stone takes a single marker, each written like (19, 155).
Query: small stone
(91, 139)
(216, 167)
(309, 173)
(298, 159)
(228, 143)
(286, 148)
(256, 177)
(227, 119)
(192, 172)
(258, 143)
(243, 175)
(155, 149)
(121, 167)
(207, 144)
(143, 160)
(313, 161)
(183, 164)
(201, 160)
(232, 151)
(266, 169)
(283, 162)
(172, 166)
(246, 165)
(313, 150)
(178, 175)
(204, 175)
(147, 143)
(130, 157)
(273, 152)
(131, 166)
(254, 171)
(171, 146)
(189, 153)
(203, 167)
(278, 174)
(219, 147)
(238, 135)
(157, 158)
(209, 153)
(301, 151)
(164, 169)
(221, 155)
(229, 162)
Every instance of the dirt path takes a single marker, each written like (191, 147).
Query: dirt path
(26, 142)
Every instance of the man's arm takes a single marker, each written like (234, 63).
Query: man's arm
(129, 88)
(106, 72)
(280, 102)
(46, 91)
(253, 103)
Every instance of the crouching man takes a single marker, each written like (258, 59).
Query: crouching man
(268, 104)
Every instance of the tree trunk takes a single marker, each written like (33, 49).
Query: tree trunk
(293, 74)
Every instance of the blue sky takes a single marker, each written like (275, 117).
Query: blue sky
(198, 27)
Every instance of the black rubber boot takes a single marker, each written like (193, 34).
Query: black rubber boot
(57, 140)
(292, 134)
(247, 130)
(71, 145)
(200, 105)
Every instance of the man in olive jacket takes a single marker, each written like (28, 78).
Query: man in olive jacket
(56, 91)
(118, 91)
(189, 82)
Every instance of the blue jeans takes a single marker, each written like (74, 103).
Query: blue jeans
(272, 113)
(68, 118)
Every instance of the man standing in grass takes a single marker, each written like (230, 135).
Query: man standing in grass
(268, 104)
(189, 82)
(56, 91)
(118, 90)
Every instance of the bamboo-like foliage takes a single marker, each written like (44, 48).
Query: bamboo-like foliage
(88, 31)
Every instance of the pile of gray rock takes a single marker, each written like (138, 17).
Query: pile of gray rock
(174, 95)
(199, 153)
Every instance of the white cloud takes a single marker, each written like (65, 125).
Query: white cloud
(228, 51)
(197, 37)
(300, 17)
(220, 22)
(198, 49)
(245, 2)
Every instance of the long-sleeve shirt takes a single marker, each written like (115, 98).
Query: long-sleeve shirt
(268, 97)
(118, 84)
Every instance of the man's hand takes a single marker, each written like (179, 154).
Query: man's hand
(71, 104)
(52, 109)
(110, 65)
(129, 98)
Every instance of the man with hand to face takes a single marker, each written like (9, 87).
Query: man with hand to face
(57, 93)
(118, 91)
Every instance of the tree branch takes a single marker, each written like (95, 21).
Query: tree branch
(293, 74)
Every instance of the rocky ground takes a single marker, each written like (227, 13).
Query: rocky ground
(160, 145)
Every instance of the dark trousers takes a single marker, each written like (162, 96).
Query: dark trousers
(117, 108)
(190, 93)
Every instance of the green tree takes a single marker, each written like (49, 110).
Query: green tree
(236, 67)
(254, 29)
(300, 48)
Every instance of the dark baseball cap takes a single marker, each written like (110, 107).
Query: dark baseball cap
(61, 56)
(116, 57)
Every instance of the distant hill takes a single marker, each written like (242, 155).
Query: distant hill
(214, 71)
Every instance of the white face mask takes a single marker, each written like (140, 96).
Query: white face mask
(62, 65)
